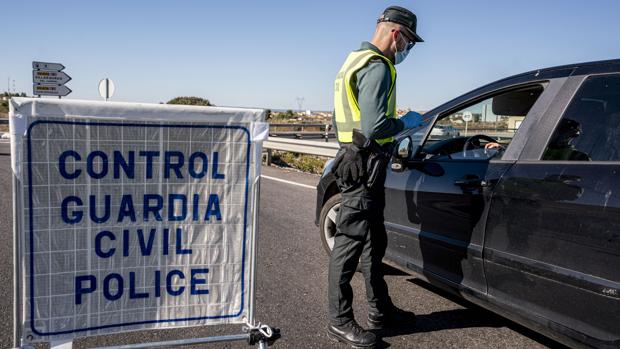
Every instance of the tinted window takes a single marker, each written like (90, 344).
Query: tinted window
(590, 127)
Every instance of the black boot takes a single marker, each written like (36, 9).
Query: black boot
(352, 334)
(393, 318)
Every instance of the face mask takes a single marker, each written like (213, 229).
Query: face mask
(400, 56)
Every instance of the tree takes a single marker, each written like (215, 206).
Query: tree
(190, 101)
(288, 114)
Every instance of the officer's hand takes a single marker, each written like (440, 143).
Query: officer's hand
(349, 168)
(413, 120)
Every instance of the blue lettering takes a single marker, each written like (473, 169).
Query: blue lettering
(157, 283)
(76, 216)
(149, 161)
(100, 252)
(195, 281)
(171, 207)
(119, 287)
(126, 209)
(215, 174)
(159, 205)
(125, 242)
(213, 208)
(62, 165)
(128, 167)
(146, 247)
(195, 207)
(176, 167)
(132, 287)
(179, 242)
(165, 241)
(81, 289)
(93, 209)
(104, 164)
(169, 283)
(205, 164)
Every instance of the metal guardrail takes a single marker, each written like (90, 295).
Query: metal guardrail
(299, 146)
(5, 147)
(5, 144)
(302, 130)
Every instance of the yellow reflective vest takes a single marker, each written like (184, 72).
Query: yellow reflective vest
(346, 107)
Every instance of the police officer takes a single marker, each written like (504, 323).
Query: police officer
(365, 99)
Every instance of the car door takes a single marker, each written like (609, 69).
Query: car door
(436, 207)
(552, 244)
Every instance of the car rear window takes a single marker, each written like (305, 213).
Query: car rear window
(590, 128)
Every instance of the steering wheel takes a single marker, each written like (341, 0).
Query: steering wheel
(471, 142)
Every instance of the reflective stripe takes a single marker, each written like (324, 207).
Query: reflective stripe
(347, 115)
(350, 123)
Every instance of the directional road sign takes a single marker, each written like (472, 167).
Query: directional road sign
(47, 66)
(49, 80)
(50, 90)
(50, 77)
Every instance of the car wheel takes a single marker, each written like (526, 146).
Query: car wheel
(327, 222)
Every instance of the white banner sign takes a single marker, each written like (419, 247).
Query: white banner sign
(133, 216)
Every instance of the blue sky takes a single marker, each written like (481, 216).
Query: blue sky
(268, 53)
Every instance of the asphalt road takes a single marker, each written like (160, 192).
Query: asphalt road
(292, 287)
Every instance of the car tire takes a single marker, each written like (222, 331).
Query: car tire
(327, 222)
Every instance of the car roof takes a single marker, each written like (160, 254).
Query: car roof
(570, 69)
(560, 71)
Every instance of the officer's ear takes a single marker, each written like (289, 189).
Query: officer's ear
(394, 32)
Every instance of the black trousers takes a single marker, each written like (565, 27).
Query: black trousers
(360, 238)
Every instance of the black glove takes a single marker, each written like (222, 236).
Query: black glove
(349, 167)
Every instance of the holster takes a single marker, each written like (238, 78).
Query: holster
(376, 159)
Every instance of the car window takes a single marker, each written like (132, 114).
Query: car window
(590, 127)
(465, 133)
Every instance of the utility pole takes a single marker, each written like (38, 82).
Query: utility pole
(300, 103)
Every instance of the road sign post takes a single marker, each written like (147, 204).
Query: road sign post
(467, 117)
(48, 79)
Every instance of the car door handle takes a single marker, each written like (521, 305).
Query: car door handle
(470, 182)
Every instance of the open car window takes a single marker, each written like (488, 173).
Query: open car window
(481, 130)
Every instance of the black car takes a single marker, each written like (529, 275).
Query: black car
(530, 230)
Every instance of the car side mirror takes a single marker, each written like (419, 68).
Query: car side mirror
(404, 151)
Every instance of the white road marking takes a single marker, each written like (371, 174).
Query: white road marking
(288, 182)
